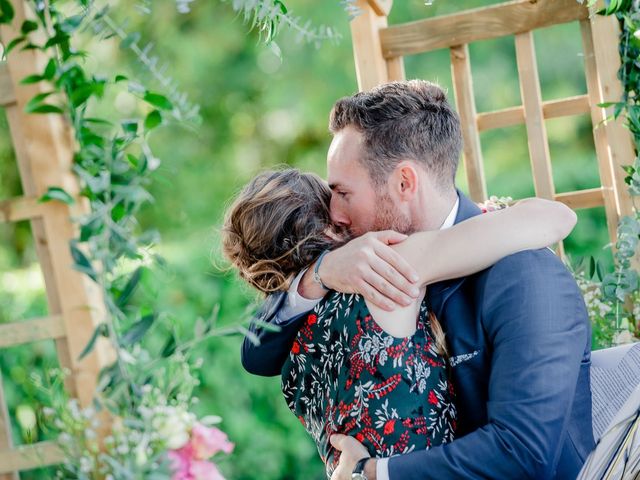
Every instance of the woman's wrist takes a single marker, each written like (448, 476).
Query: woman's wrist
(370, 469)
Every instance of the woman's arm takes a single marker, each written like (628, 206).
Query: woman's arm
(481, 241)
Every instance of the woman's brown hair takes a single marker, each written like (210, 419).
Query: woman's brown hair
(276, 227)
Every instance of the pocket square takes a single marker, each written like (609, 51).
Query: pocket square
(465, 357)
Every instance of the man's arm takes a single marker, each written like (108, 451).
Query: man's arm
(537, 329)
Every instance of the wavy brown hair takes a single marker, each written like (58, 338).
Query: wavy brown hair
(276, 227)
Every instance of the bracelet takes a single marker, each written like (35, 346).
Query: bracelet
(316, 275)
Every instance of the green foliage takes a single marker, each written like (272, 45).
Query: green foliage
(621, 288)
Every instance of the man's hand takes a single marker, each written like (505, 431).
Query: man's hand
(368, 266)
(351, 451)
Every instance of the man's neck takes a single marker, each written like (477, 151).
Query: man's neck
(435, 210)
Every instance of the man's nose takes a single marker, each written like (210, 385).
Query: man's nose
(338, 217)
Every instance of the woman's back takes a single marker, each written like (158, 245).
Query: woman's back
(346, 375)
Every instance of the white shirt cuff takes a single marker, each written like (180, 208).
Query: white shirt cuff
(382, 469)
(294, 304)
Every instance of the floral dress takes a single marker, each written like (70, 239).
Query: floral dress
(344, 374)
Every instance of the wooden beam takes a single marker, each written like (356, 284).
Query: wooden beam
(21, 208)
(381, 7)
(26, 457)
(478, 24)
(550, 109)
(534, 120)
(6, 442)
(32, 330)
(372, 68)
(44, 148)
(605, 33)
(591, 198)
(601, 142)
(6, 89)
(465, 101)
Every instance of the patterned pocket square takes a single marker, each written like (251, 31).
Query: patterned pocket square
(465, 357)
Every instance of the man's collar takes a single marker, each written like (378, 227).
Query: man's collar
(451, 218)
(466, 209)
(439, 292)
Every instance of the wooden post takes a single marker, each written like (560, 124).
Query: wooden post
(534, 119)
(463, 87)
(372, 68)
(606, 33)
(600, 140)
(5, 432)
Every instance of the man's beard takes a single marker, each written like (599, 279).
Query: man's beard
(389, 217)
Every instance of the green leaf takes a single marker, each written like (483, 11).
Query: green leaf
(6, 11)
(56, 193)
(58, 39)
(120, 78)
(169, 347)
(153, 120)
(130, 288)
(36, 101)
(70, 24)
(13, 44)
(50, 70)
(157, 100)
(35, 78)
(81, 262)
(91, 228)
(130, 126)
(101, 330)
(28, 26)
(45, 108)
(137, 330)
(130, 40)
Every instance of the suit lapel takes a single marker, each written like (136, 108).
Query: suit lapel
(438, 293)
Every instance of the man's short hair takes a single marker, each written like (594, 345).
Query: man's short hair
(409, 120)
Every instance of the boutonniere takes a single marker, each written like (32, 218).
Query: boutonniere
(495, 203)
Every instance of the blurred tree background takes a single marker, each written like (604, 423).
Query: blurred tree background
(259, 110)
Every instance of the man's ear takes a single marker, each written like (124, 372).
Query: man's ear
(406, 180)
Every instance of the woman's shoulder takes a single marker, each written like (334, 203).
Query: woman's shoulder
(340, 304)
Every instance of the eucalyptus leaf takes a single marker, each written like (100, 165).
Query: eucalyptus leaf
(56, 193)
(101, 330)
(81, 262)
(137, 331)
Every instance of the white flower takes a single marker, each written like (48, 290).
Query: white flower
(141, 454)
(637, 34)
(173, 426)
(623, 337)
(26, 417)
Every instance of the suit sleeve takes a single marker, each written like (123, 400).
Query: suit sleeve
(267, 358)
(537, 329)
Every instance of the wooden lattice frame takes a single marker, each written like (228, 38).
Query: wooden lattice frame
(44, 151)
(378, 52)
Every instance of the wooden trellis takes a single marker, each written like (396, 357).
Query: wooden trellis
(44, 151)
(379, 49)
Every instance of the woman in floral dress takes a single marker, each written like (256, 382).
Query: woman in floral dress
(355, 369)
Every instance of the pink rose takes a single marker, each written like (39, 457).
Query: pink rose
(207, 441)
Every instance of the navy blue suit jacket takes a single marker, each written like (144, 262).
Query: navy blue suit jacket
(519, 337)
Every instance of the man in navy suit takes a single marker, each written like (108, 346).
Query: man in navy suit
(518, 332)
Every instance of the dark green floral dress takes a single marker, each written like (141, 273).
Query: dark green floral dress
(346, 375)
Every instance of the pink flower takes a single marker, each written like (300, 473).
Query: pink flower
(204, 470)
(207, 441)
